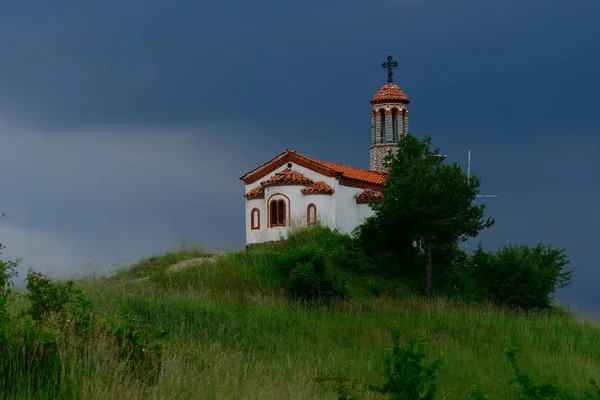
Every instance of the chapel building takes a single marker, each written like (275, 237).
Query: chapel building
(293, 190)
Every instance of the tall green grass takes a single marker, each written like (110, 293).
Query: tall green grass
(233, 334)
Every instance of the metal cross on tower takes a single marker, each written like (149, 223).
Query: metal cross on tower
(479, 195)
(389, 64)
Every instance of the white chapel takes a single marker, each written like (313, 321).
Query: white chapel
(293, 189)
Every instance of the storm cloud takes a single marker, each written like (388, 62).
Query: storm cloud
(126, 125)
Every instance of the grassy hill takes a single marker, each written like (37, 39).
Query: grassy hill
(232, 334)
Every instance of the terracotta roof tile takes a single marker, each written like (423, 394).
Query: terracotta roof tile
(318, 188)
(369, 196)
(388, 93)
(358, 174)
(287, 177)
(256, 193)
(349, 176)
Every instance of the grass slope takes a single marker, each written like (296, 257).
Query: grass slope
(234, 335)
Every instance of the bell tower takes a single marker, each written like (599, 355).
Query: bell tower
(389, 119)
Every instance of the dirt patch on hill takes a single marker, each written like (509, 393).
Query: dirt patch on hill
(193, 261)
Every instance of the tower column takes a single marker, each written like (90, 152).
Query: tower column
(389, 128)
(405, 122)
(378, 127)
(400, 123)
(373, 128)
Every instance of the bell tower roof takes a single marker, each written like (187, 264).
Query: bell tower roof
(390, 93)
(389, 119)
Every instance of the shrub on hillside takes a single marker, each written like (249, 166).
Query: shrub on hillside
(461, 278)
(7, 272)
(139, 343)
(406, 377)
(58, 316)
(549, 390)
(520, 276)
(39, 346)
(341, 249)
(308, 277)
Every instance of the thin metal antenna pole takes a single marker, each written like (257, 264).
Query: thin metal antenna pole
(468, 176)
(469, 165)
(479, 195)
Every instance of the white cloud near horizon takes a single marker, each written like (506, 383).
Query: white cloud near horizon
(108, 195)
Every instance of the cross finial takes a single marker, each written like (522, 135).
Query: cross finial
(389, 64)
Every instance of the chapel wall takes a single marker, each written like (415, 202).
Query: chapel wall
(325, 208)
(346, 212)
(296, 206)
(255, 236)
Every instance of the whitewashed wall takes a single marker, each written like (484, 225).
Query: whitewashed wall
(364, 211)
(325, 208)
(346, 208)
(338, 211)
(253, 236)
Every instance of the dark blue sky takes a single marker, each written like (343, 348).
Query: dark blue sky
(126, 125)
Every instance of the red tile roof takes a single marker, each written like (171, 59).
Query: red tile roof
(287, 177)
(318, 188)
(348, 176)
(346, 171)
(390, 92)
(369, 196)
(256, 193)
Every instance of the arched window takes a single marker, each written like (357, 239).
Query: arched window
(255, 219)
(382, 125)
(395, 125)
(277, 213)
(311, 214)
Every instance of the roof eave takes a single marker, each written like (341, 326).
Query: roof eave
(287, 156)
(382, 101)
(280, 155)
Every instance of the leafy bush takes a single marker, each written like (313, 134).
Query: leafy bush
(140, 344)
(531, 390)
(475, 393)
(308, 277)
(70, 309)
(464, 276)
(7, 272)
(406, 378)
(37, 345)
(46, 298)
(341, 249)
(593, 391)
(548, 390)
(31, 359)
(519, 276)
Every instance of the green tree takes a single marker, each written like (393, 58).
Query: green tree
(428, 201)
(520, 276)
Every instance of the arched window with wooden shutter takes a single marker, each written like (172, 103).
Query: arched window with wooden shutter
(277, 212)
